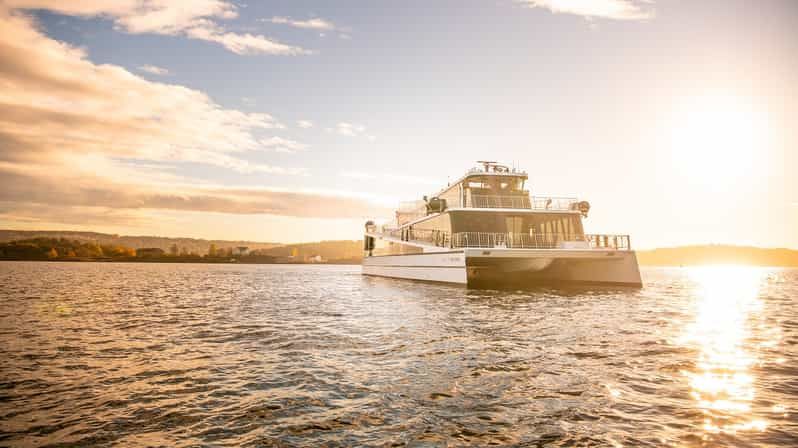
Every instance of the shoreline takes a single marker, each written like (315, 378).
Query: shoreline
(343, 262)
(177, 261)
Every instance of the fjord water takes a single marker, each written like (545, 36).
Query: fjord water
(269, 355)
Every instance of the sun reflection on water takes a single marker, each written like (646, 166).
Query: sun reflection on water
(727, 309)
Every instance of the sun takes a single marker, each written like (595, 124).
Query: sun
(717, 139)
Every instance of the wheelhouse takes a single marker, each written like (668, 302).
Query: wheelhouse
(495, 186)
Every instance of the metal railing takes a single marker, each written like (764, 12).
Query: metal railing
(507, 240)
(434, 237)
(520, 201)
(553, 203)
(619, 242)
(538, 241)
(496, 201)
(513, 240)
(481, 170)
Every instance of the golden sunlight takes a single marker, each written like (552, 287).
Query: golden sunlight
(722, 383)
(716, 139)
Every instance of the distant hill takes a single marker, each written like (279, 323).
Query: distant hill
(194, 245)
(330, 250)
(718, 254)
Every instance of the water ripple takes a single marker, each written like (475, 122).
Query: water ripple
(204, 355)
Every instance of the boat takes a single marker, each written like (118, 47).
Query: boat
(487, 230)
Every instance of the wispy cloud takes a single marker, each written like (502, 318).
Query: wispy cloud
(45, 214)
(197, 19)
(310, 24)
(279, 144)
(242, 43)
(74, 136)
(63, 105)
(304, 124)
(27, 193)
(606, 9)
(151, 69)
(349, 129)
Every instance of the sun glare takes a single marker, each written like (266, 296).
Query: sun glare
(722, 383)
(717, 139)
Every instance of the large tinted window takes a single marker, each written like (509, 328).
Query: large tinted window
(523, 223)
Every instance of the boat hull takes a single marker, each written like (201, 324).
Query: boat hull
(500, 268)
(446, 267)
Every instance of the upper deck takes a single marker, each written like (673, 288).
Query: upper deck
(491, 186)
(490, 207)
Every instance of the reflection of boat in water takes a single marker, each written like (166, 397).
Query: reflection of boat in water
(486, 230)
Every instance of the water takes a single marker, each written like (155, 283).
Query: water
(222, 355)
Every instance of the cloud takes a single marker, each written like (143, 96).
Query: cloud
(242, 43)
(349, 129)
(310, 24)
(56, 103)
(304, 124)
(49, 214)
(605, 9)
(279, 144)
(85, 144)
(95, 140)
(154, 70)
(197, 19)
(81, 137)
(26, 193)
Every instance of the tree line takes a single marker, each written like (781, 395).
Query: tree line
(66, 249)
(58, 248)
(63, 248)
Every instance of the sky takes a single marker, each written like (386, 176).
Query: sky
(295, 121)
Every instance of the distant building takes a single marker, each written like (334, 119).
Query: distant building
(149, 252)
(315, 259)
(241, 250)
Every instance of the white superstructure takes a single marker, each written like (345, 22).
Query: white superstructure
(486, 229)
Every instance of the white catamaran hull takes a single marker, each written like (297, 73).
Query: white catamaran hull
(447, 267)
(505, 267)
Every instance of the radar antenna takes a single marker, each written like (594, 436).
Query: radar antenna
(486, 164)
(493, 166)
